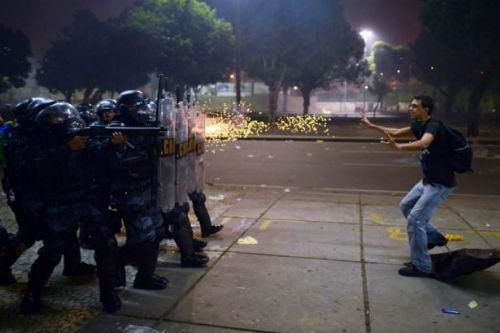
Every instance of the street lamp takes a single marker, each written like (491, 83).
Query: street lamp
(365, 88)
(368, 36)
(237, 14)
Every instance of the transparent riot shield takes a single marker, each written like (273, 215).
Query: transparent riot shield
(166, 166)
(191, 158)
(200, 149)
(181, 152)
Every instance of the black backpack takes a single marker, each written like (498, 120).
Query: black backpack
(459, 152)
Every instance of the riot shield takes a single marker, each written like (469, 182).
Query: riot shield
(200, 149)
(191, 158)
(166, 166)
(181, 152)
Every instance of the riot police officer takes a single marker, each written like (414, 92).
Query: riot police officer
(67, 162)
(106, 111)
(22, 186)
(133, 169)
(86, 111)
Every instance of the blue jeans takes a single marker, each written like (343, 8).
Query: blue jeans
(418, 206)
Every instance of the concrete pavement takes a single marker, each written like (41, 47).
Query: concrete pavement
(290, 260)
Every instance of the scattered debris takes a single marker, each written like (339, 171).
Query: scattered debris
(270, 156)
(217, 197)
(450, 311)
(473, 304)
(247, 241)
(488, 225)
(286, 190)
(250, 156)
(237, 147)
(454, 237)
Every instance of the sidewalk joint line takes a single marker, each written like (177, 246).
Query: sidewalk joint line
(217, 326)
(366, 295)
(209, 268)
(470, 226)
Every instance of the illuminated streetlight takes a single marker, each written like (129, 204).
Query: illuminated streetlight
(368, 37)
(232, 76)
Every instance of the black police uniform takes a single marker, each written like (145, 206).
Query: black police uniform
(132, 169)
(22, 186)
(69, 199)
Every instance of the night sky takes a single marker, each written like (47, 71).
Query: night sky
(395, 21)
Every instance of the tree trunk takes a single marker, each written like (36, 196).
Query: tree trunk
(86, 94)
(96, 96)
(285, 100)
(68, 94)
(274, 92)
(306, 97)
(474, 110)
(449, 100)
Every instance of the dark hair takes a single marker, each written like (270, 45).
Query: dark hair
(426, 102)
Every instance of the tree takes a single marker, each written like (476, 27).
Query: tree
(324, 48)
(469, 29)
(94, 56)
(437, 66)
(15, 51)
(380, 88)
(188, 43)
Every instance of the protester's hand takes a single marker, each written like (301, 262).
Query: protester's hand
(365, 122)
(77, 143)
(391, 142)
(118, 138)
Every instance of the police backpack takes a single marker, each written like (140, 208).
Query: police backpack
(459, 152)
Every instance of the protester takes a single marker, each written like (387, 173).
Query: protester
(438, 181)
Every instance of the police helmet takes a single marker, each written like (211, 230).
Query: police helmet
(60, 121)
(86, 112)
(106, 105)
(133, 108)
(27, 110)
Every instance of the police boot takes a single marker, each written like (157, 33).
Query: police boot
(106, 256)
(7, 259)
(147, 257)
(40, 272)
(73, 266)
(183, 237)
(201, 212)
(199, 244)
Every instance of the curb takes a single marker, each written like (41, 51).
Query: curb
(486, 141)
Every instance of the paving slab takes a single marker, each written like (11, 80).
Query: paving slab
(481, 218)
(153, 304)
(313, 211)
(403, 304)
(471, 240)
(473, 202)
(322, 196)
(279, 294)
(113, 324)
(381, 199)
(391, 215)
(251, 208)
(304, 239)
(263, 193)
(170, 327)
(492, 237)
(233, 228)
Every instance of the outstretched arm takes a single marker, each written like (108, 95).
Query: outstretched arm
(394, 132)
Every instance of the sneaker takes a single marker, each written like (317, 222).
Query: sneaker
(442, 242)
(413, 271)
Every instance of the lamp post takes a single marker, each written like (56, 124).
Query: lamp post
(237, 13)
